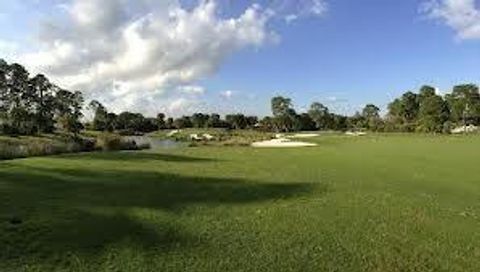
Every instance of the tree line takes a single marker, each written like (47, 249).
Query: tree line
(34, 105)
(425, 111)
(131, 123)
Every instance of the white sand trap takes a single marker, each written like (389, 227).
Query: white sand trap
(304, 135)
(173, 133)
(282, 143)
(350, 133)
(195, 137)
(465, 129)
(208, 137)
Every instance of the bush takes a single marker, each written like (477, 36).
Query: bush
(11, 148)
(115, 142)
(143, 146)
(24, 147)
(109, 142)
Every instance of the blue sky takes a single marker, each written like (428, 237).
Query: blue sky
(359, 52)
(349, 54)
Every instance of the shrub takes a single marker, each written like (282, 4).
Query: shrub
(88, 144)
(24, 147)
(143, 146)
(109, 142)
(113, 142)
(11, 148)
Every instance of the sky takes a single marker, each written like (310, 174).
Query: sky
(226, 56)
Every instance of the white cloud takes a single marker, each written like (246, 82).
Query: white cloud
(290, 18)
(129, 53)
(191, 89)
(332, 99)
(147, 55)
(227, 94)
(180, 104)
(319, 7)
(461, 15)
(294, 10)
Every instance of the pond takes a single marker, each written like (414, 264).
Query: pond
(156, 143)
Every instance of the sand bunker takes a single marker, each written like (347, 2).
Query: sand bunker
(282, 142)
(173, 133)
(465, 129)
(304, 135)
(351, 133)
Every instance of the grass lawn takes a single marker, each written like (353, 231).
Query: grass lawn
(375, 203)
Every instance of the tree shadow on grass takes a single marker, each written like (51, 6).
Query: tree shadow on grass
(131, 156)
(52, 211)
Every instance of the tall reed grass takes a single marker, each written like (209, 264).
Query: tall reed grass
(23, 147)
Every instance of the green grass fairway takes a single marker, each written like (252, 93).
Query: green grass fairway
(375, 203)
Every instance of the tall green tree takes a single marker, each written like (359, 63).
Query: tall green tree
(161, 124)
(281, 106)
(69, 111)
(215, 121)
(320, 114)
(199, 120)
(285, 117)
(339, 122)
(42, 102)
(306, 122)
(371, 117)
(433, 112)
(403, 112)
(33, 105)
(252, 121)
(236, 121)
(169, 124)
(4, 98)
(356, 122)
(17, 101)
(426, 91)
(411, 106)
(17, 84)
(371, 111)
(182, 122)
(395, 118)
(100, 122)
(464, 103)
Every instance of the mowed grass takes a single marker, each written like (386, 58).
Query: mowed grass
(375, 203)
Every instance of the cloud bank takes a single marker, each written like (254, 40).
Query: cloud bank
(132, 58)
(146, 55)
